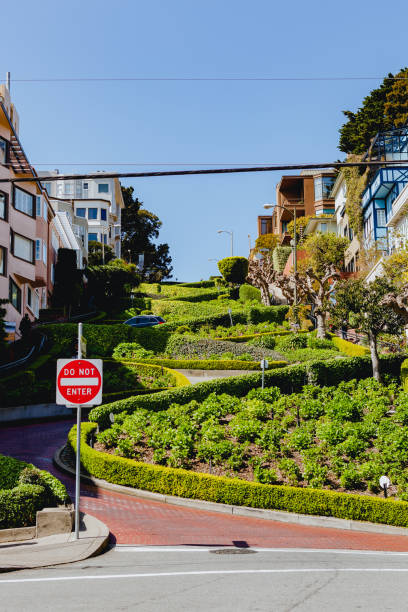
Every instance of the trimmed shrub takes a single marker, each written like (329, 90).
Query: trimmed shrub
(247, 293)
(234, 269)
(188, 346)
(212, 364)
(404, 374)
(182, 483)
(348, 348)
(292, 342)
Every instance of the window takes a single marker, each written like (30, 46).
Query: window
(105, 239)
(22, 247)
(68, 188)
(45, 210)
(92, 236)
(266, 226)
(92, 213)
(85, 186)
(368, 226)
(322, 187)
(29, 297)
(47, 186)
(23, 201)
(381, 217)
(3, 151)
(103, 188)
(103, 214)
(3, 260)
(15, 295)
(38, 206)
(323, 228)
(284, 227)
(3, 206)
(45, 252)
(38, 249)
(80, 212)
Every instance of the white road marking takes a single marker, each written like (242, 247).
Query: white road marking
(122, 548)
(211, 573)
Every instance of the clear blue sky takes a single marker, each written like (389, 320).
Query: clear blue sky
(192, 122)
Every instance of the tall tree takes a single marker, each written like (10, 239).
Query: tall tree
(99, 254)
(140, 228)
(261, 274)
(362, 305)
(68, 285)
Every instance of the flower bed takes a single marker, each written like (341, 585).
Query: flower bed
(184, 483)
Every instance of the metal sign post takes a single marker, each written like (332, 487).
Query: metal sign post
(264, 366)
(79, 383)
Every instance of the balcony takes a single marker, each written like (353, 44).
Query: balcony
(399, 208)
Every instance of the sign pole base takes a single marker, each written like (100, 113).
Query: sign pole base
(78, 473)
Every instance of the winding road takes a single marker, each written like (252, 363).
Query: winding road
(143, 522)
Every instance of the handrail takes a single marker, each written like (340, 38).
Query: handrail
(23, 360)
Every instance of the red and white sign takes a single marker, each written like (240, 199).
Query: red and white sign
(79, 382)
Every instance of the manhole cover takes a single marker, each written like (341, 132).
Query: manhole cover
(233, 551)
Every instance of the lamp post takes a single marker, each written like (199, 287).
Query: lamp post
(293, 244)
(232, 239)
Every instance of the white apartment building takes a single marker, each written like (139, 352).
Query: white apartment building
(339, 193)
(72, 230)
(99, 201)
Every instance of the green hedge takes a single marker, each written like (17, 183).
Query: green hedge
(247, 293)
(289, 379)
(348, 348)
(19, 502)
(404, 374)
(247, 337)
(102, 339)
(183, 483)
(212, 364)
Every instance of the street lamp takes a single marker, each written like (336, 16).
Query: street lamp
(232, 239)
(293, 244)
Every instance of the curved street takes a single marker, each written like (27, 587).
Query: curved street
(143, 522)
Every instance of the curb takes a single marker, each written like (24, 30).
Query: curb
(243, 511)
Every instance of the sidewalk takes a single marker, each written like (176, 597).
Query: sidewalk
(56, 549)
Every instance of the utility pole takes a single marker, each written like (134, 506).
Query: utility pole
(8, 80)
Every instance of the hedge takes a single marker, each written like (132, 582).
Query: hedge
(183, 483)
(348, 348)
(247, 337)
(212, 364)
(146, 367)
(19, 503)
(289, 379)
(404, 374)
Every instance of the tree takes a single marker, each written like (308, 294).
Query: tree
(97, 254)
(396, 267)
(261, 274)
(68, 285)
(301, 223)
(140, 228)
(396, 105)
(361, 305)
(109, 282)
(266, 241)
(234, 269)
(323, 250)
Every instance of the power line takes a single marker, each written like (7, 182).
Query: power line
(101, 175)
(177, 78)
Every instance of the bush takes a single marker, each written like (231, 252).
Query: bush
(280, 256)
(292, 342)
(348, 348)
(188, 346)
(131, 350)
(247, 293)
(404, 374)
(267, 341)
(234, 269)
(212, 364)
(179, 482)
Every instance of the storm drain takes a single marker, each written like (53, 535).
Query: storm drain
(233, 551)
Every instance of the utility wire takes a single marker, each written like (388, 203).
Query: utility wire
(262, 78)
(101, 175)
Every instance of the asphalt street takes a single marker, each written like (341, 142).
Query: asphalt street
(154, 579)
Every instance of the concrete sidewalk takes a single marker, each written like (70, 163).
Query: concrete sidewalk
(56, 549)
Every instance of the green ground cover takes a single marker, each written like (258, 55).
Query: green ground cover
(341, 438)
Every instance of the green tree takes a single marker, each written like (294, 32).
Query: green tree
(361, 305)
(234, 269)
(109, 282)
(396, 105)
(68, 285)
(266, 241)
(140, 228)
(97, 254)
(363, 125)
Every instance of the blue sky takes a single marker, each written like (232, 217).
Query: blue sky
(65, 125)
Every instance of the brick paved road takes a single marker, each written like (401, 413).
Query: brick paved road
(141, 522)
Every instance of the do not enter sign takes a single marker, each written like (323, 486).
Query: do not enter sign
(79, 382)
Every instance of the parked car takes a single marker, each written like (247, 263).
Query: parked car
(144, 321)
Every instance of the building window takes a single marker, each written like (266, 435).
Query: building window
(381, 217)
(322, 187)
(284, 227)
(45, 252)
(266, 226)
(15, 295)
(103, 188)
(45, 210)
(92, 213)
(105, 239)
(103, 214)
(68, 188)
(3, 260)
(38, 249)
(24, 201)
(47, 187)
(323, 228)
(368, 227)
(3, 206)
(38, 206)
(22, 247)
(3, 151)
(85, 186)
(92, 236)
(29, 297)
(80, 212)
